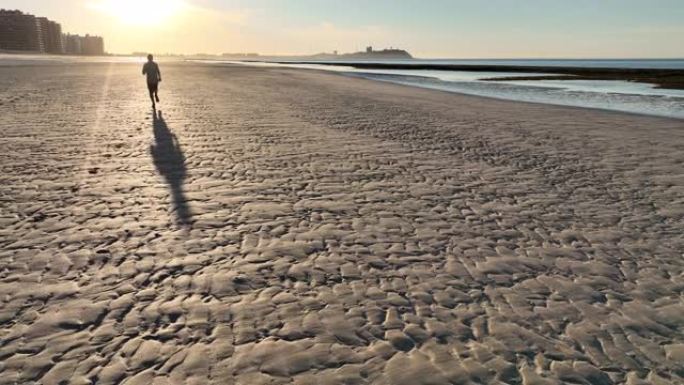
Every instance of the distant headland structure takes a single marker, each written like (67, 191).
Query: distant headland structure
(368, 54)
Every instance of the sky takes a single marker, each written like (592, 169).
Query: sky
(426, 28)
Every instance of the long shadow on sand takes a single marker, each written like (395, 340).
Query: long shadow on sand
(170, 162)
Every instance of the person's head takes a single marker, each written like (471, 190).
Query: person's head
(150, 57)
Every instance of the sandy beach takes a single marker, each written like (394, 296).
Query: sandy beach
(280, 226)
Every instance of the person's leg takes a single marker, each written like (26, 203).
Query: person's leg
(150, 87)
(154, 87)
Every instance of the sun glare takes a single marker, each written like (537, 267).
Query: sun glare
(141, 12)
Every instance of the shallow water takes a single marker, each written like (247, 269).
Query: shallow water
(639, 98)
(583, 63)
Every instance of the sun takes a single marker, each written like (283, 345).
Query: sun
(141, 12)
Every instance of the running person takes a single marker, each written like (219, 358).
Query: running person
(151, 69)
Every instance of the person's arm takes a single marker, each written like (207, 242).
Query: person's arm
(144, 69)
(158, 73)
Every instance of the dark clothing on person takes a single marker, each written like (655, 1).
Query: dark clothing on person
(151, 69)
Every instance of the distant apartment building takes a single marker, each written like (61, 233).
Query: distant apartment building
(51, 33)
(84, 45)
(25, 32)
(72, 44)
(20, 32)
(93, 45)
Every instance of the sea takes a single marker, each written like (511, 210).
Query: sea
(624, 96)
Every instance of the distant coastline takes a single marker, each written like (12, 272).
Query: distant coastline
(664, 78)
(368, 54)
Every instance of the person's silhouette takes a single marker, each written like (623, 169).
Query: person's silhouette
(151, 69)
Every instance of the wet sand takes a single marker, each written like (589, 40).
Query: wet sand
(277, 226)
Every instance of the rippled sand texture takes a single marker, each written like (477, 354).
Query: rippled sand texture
(281, 226)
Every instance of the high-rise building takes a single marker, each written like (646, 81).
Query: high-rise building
(56, 42)
(73, 44)
(51, 33)
(20, 32)
(84, 45)
(93, 45)
(24, 32)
